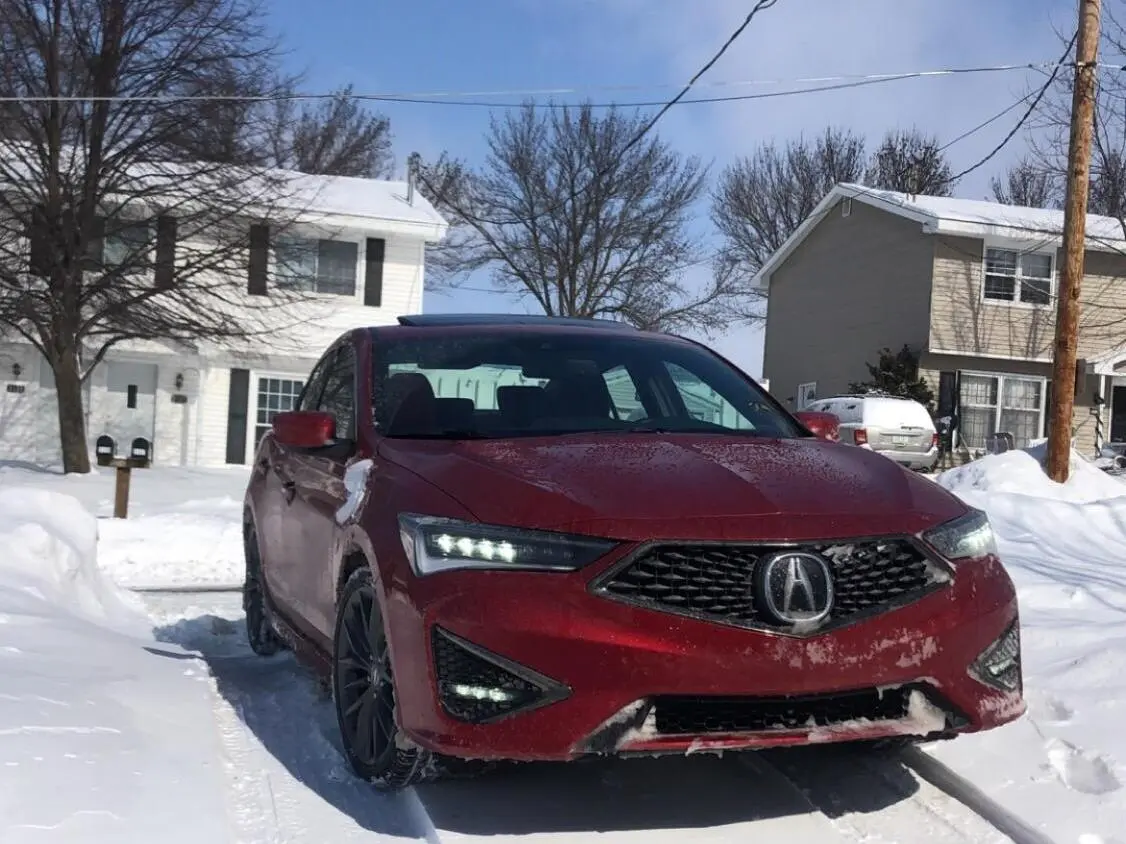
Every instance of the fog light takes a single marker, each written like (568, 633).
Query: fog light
(482, 693)
(999, 665)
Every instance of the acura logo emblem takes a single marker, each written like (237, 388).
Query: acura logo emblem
(794, 587)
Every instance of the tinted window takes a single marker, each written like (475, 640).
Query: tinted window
(338, 396)
(311, 394)
(529, 384)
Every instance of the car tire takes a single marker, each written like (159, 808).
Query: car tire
(260, 633)
(363, 692)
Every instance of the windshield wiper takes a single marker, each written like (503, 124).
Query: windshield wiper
(447, 434)
(654, 428)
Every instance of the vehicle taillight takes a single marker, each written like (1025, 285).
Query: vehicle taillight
(934, 440)
(860, 436)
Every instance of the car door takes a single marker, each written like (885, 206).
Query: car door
(318, 478)
(275, 505)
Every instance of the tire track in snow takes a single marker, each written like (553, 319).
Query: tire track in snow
(890, 798)
(288, 781)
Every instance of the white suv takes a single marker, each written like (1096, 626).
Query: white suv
(898, 428)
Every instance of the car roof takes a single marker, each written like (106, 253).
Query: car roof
(418, 326)
(447, 320)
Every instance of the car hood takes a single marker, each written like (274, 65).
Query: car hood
(636, 487)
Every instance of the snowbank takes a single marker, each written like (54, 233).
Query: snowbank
(1021, 472)
(1064, 765)
(106, 736)
(50, 555)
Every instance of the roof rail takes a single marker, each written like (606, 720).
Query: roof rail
(428, 320)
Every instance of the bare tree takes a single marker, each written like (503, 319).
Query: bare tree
(761, 200)
(569, 212)
(110, 231)
(1049, 130)
(337, 137)
(1027, 184)
(910, 162)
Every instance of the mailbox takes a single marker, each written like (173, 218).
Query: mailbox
(104, 449)
(140, 452)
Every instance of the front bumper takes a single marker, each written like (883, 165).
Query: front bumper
(594, 675)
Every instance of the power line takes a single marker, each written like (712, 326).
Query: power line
(1024, 117)
(761, 5)
(461, 98)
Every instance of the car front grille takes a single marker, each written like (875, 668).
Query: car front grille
(716, 581)
(479, 687)
(704, 715)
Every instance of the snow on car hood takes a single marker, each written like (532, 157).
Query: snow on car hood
(635, 486)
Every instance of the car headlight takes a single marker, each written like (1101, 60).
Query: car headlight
(435, 544)
(966, 537)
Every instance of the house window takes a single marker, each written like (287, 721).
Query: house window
(316, 266)
(274, 396)
(1012, 276)
(993, 404)
(127, 245)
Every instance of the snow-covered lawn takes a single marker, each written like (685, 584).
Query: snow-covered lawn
(183, 527)
(110, 729)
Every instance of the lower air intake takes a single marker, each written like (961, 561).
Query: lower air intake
(701, 715)
(478, 687)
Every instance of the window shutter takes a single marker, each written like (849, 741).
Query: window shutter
(947, 393)
(373, 272)
(259, 257)
(1047, 407)
(238, 403)
(165, 273)
(39, 240)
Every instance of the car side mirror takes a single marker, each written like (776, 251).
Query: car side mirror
(824, 425)
(305, 429)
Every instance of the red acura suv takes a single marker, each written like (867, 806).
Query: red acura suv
(532, 538)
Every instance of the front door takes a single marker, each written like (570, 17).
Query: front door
(318, 478)
(126, 407)
(1118, 415)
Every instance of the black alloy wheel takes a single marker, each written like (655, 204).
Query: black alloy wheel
(364, 692)
(259, 628)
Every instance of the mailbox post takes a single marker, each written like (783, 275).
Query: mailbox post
(140, 454)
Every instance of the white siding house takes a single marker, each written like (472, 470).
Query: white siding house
(207, 404)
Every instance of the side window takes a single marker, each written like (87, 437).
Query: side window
(339, 395)
(704, 403)
(311, 395)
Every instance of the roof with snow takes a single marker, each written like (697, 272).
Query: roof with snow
(957, 217)
(362, 200)
(375, 199)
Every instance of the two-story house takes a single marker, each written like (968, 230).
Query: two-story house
(969, 285)
(356, 253)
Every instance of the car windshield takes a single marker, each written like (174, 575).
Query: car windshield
(512, 384)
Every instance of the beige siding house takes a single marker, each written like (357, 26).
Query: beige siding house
(971, 286)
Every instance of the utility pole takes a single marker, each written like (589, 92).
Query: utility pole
(1064, 375)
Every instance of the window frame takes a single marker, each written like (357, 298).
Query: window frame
(1020, 249)
(256, 376)
(999, 407)
(314, 240)
(332, 359)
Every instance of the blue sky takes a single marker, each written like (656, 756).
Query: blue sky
(485, 45)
